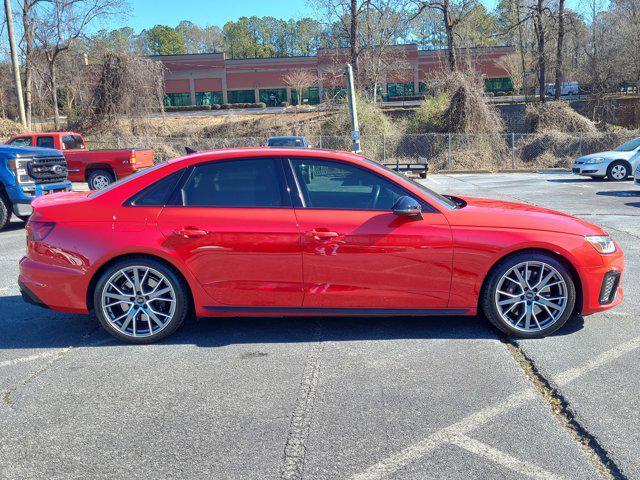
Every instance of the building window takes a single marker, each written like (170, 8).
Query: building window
(494, 85)
(208, 98)
(310, 96)
(400, 89)
(241, 96)
(273, 97)
(177, 99)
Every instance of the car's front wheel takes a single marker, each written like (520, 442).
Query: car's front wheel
(140, 300)
(529, 295)
(618, 171)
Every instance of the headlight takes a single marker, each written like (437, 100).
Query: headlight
(591, 161)
(602, 243)
(20, 170)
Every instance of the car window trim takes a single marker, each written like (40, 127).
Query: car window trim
(130, 201)
(176, 200)
(427, 208)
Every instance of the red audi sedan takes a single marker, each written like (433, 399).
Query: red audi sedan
(276, 232)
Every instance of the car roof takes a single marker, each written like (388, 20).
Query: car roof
(228, 153)
(287, 137)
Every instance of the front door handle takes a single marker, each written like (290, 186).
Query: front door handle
(323, 234)
(191, 232)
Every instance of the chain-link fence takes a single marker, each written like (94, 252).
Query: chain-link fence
(443, 151)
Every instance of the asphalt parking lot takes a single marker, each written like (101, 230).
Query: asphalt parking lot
(363, 398)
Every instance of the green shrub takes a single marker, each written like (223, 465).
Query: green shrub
(285, 104)
(186, 108)
(428, 116)
(225, 106)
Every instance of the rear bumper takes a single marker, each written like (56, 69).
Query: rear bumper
(53, 286)
(592, 284)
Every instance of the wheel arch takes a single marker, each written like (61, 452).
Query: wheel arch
(544, 251)
(92, 167)
(621, 160)
(127, 256)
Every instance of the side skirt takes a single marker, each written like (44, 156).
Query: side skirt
(367, 312)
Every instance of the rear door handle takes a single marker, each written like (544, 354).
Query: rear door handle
(191, 232)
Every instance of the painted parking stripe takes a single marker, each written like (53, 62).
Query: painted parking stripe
(501, 458)
(412, 453)
(32, 358)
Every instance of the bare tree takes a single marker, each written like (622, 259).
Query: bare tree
(452, 12)
(58, 24)
(559, 43)
(299, 80)
(512, 64)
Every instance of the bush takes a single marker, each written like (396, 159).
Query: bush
(225, 106)
(372, 118)
(556, 117)
(260, 105)
(429, 115)
(186, 108)
(215, 106)
(489, 94)
(284, 104)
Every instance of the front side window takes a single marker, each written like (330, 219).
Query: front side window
(340, 186)
(236, 183)
(21, 142)
(44, 142)
(629, 146)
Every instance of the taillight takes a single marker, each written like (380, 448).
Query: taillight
(38, 231)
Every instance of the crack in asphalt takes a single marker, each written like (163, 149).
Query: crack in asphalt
(6, 398)
(562, 410)
(295, 448)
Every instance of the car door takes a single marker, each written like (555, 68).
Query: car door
(357, 254)
(232, 224)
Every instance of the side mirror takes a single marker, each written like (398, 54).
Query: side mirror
(407, 207)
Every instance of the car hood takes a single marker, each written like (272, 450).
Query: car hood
(488, 213)
(29, 151)
(610, 155)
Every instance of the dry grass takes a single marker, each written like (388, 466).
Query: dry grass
(9, 128)
(556, 117)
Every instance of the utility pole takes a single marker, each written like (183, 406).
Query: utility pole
(353, 112)
(14, 61)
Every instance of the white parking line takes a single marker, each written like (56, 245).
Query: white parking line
(519, 466)
(412, 453)
(31, 358)
(434, 180)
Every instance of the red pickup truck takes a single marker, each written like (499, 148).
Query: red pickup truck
(98, 168)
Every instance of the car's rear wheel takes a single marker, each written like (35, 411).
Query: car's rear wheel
(529, 295)
(618, 171)
(99, 179)
(140, 300)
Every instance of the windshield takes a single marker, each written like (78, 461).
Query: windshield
(628, 146)
(124, 180)
(445, 201)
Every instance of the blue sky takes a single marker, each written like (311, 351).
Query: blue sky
(147, 13)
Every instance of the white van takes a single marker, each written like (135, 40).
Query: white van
(566, 88)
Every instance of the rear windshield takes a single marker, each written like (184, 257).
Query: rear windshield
(72, 142)
(286, 142)
(124, 180)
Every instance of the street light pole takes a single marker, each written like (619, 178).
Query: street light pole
(14, 61)
(353, 112)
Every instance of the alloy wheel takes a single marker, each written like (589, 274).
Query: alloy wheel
(531, 296)
(100, 182)
(138, 301)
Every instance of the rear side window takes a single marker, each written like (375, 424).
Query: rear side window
(235, 183)
(158, 193)
(72, 142)
(44, 142)
(22, 142)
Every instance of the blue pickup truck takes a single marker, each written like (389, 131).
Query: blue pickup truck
(26, 173)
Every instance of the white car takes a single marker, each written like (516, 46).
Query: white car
(617, 164)
(636, 175)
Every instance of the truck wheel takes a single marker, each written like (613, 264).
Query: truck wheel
(4, 212)
(99, 179)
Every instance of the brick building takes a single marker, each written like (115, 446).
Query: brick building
(209, 78)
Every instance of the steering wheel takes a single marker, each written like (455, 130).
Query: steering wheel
(375, 195)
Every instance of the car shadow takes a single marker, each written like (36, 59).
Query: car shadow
(576, 180)
(24, 326)
(620, 193)
(14, 225)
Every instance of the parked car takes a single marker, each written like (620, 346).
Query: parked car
(566, 88)
(27, 173)
(636, 175)
(226, 233)
(291, 141)
(98, 168)
(617, 164)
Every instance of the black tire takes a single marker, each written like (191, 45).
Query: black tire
(98, 179)
(618, 164)
(5, 214)
(488, 294)
(182, 300)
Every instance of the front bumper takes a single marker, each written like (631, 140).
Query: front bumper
(593, 280)
(22, 196)
(594, 170)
